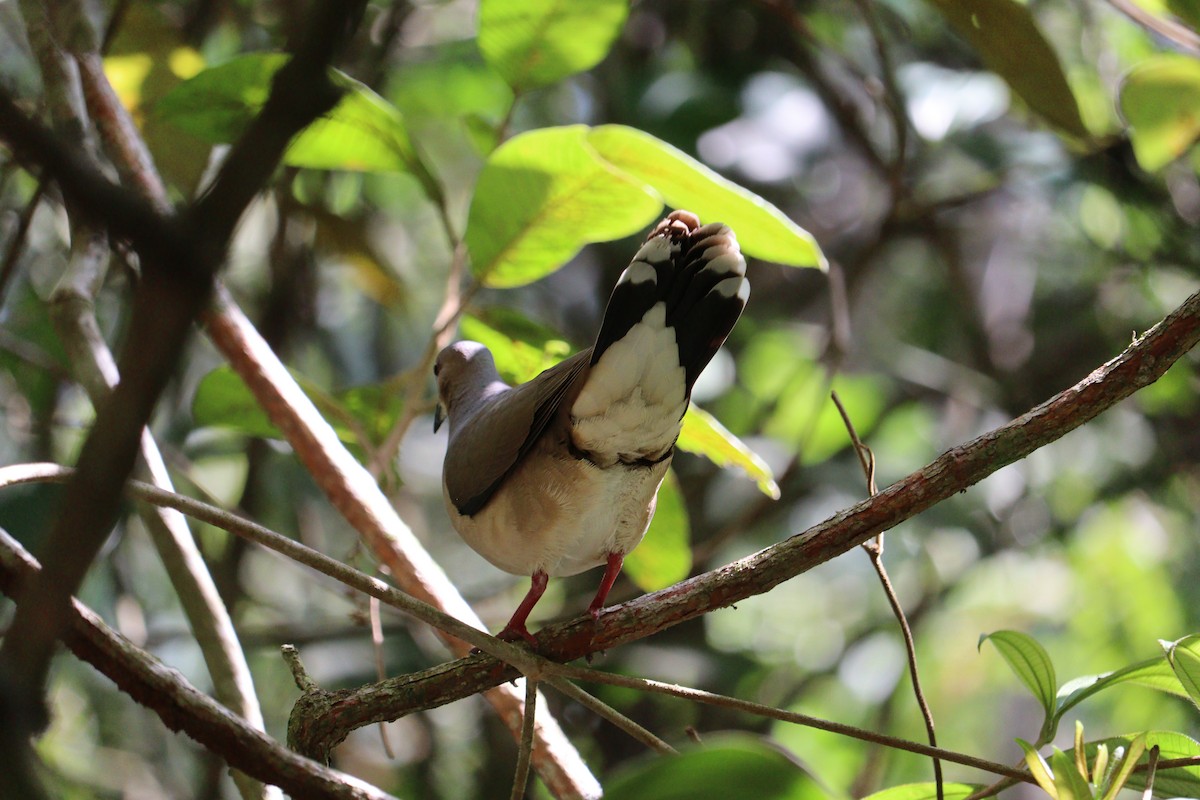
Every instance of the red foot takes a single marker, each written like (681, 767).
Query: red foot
(514, 633)
(515, 630)
(611, 571)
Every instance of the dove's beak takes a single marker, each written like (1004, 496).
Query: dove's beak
(439, 416)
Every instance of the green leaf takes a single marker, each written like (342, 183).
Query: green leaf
(521, 354)
(454, 84)
(704, 435)
(665, 556)
(371, 409)
(1154, 673)
(1030, 661)
(362, 133)
(545, 194)
(1174, 782)
(534, 43)
(1188, 12)
(542, 196)
(1133, 752)
(451, 100)
(1160, 99)
(218, 103)
(1038, 768)
(1184, 657)
(223, 400)
(1070, 784)
(926, 791)
(726, 766)
(1008, 40)
(763, 231)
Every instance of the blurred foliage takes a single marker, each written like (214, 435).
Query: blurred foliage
(1005, 192)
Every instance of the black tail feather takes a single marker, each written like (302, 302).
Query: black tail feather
(677, 271)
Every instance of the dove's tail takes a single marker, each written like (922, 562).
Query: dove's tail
(668, 315)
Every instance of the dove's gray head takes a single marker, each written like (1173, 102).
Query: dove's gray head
(466, 374)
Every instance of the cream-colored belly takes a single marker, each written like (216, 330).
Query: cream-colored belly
(567, 520)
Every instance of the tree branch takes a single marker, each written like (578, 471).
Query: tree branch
(178, 265)
(181, 706)
(954, 471)
(72, 311)
(356, 495)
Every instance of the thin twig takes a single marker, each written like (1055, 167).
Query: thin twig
(380, 670)
(519, 657)
(1179, 35)
(991, 790)
(525, 753)
(866, 458)
(605, 711)
(17, 244)
(722, 701)
(894, 99)
(291, 657)
(1151, 766)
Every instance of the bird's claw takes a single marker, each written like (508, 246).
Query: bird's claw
(515, 633)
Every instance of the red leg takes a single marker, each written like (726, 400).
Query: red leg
(611, 571)
(515, 629)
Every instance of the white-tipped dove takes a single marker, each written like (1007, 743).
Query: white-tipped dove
(561, 474)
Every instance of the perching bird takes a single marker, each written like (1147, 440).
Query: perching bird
(561, 474)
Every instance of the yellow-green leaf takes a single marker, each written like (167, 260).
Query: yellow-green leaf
(363, 132)
(704, 435)
(926, 791)
(665, 556)
(542, 196)
(1184, 657)
(1030, 661)
(1038, 768)
(1160, 99)
(1010, 43)
(534, 43)
(763, 231)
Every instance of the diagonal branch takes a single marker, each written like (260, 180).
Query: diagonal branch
(352, 490)
(181, 706)
(954, 471)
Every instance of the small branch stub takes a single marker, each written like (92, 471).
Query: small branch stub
(291, 657)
